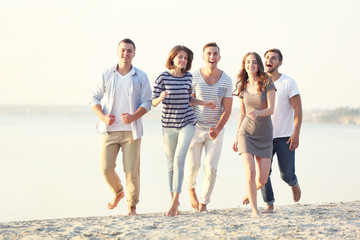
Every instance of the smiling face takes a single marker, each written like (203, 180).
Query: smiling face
(180, 60)
(126, 53)
(251, 65)
(272, 62)
(211, 56)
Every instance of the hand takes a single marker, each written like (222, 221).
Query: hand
(252, 114)
(213, 132)
(294, 142)
(163, 95)
(211, 105)
(127, 118)
(108, 119)
(235, 145)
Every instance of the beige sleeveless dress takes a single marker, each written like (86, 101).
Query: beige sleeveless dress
(256, 135)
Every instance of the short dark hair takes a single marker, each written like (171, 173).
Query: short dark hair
(275, 50)
(211, 44)
(127, 40)
(172, 54)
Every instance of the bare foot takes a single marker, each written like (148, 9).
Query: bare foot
(132, 211)
(268, 209)
(202, 208)
(193, 199)
(296, 192)
(255, 214)
(116, 200)
(246, 200)
(174, 209)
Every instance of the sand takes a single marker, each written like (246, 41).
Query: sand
(298, 221)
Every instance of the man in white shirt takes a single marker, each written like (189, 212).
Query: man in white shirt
(287, 119)
(209, 84)
(120, 98)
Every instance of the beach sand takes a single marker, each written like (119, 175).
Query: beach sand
(298, 221)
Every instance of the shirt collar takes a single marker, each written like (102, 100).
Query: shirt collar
(132, 70)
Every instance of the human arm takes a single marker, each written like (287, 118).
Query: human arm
(145, 101)
(159, 91)
(159, 99)
(227, 106)
(294, 138)
(193, 96)
(108, 119)
(97, 94)
(98, 90)
(196, 101)
(145, 93)
(270, 95)
(241, 118)
(128, 118)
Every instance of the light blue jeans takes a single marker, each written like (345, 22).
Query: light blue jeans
(176, 145)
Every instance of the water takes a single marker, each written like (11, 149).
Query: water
(49, 168)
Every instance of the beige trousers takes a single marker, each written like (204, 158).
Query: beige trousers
(110, 146)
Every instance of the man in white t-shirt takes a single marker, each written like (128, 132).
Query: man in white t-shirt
(286, 122)
(209, 84)
(120, 98)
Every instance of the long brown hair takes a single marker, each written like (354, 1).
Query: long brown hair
(243, 76)
(173, 52)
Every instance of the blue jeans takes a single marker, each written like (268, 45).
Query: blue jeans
(176, 145)
(286, 162)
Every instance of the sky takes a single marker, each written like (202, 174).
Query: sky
(52, 52)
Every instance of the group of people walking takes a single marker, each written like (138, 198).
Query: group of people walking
(195, 109)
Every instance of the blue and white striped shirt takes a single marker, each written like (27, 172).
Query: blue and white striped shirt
(223, 88)
(177, 111)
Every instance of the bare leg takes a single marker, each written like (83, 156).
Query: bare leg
(296, 192)
(263, 168)
(132, 211)
(251, 189)
(246, 198)
(202, 208)
(193, 199)
(116, 200)
(172, 196)
(249, 166)
(174, 207)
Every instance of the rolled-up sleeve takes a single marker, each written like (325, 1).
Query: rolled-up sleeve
(97, 92)
(145, 93)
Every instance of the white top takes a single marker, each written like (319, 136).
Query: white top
(283, 117)
(207, 117)
(121, 103)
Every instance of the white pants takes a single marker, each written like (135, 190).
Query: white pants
(213, 148)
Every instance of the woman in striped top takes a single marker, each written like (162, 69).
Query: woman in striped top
(173, 89)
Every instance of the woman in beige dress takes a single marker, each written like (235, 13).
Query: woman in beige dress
(253, 138)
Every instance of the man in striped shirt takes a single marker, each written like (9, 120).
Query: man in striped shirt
(209, 84)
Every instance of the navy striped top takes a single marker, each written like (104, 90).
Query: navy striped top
(177, 111)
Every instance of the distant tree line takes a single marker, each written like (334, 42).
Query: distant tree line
(342, 115)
